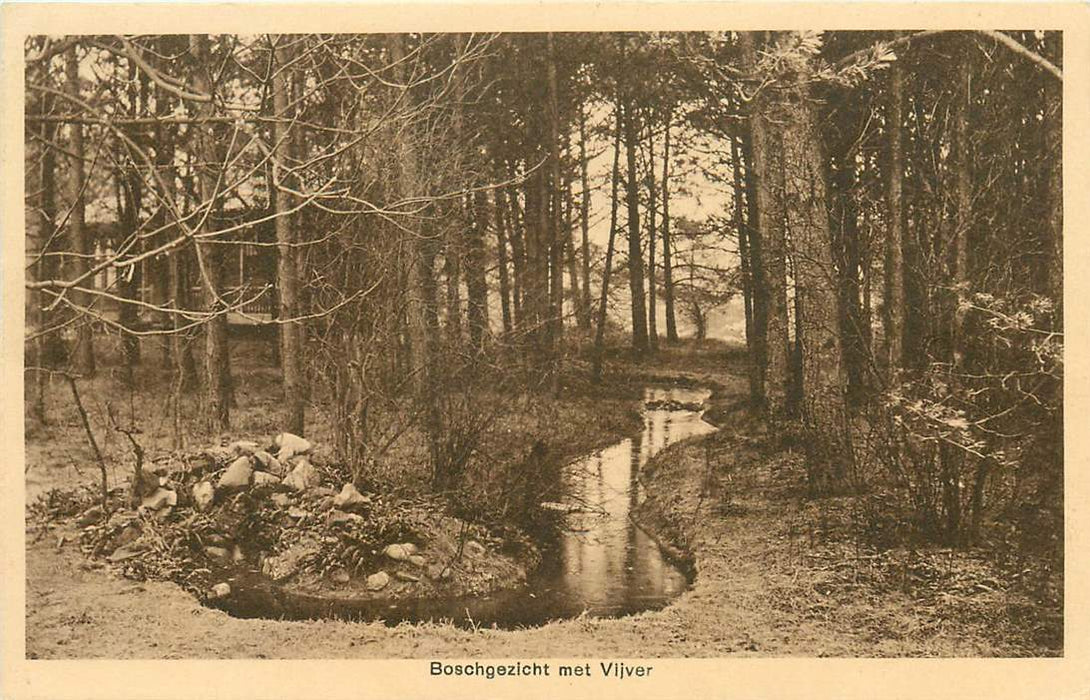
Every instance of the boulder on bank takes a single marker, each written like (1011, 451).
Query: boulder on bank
(268, 463)
(304, 476)
(378, 581)
(265, 479)
(244, 447)
(290, 445)
(162, 498)
(238, 474)
(350, 498)
(204, 493)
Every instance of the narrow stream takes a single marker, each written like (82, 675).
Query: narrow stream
(599, 563)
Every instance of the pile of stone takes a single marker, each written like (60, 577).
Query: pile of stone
(282, 476)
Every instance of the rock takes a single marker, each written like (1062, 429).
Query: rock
(220, 455)
(220, 590)
(265, 479)
(417, 560)
(410, 548)
(281, 499)
(238, 474)
(236, 554)
(323, 504)
(287, 563)
(339, 517)
(160, 499)
(291, 445)
(244, 447)
(90, 516)
(303, 477)
(405, 576)
(123, 553)
(475, 548)
(297, 513)
(268, 462)
(216, 552)
(350, 499)
(396, 552)
(204, 493)
(340, 576)
(376, 582)
(321, 491)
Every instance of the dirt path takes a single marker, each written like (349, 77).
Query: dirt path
(762, 590)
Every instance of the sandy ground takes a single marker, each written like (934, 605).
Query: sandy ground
(762, 589)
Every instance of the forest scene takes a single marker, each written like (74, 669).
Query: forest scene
(635, 344)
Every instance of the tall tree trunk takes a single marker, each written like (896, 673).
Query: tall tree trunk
(501, 254)
(79, 251)
(132, 281)
(420, 295)
(556, 282)
(129, 279)
(476, 283)
(536, 290)
(216, 362)
(41, 179)
(635, 252)
(570, 255)
(603, 300)
(745, 257)
(652, 195)
(894, 305)
(758, 283)
(287, 273)
(846, 251)
(667, 251)
(177, 281)
(766, 165)
(584, 214)
(963, 203)
(807, 220)
(516, 231)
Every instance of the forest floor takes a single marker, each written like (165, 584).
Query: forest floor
(777, 575)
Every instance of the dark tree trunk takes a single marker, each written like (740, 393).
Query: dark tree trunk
(501, 255)
(635, 252)
(599, 336)
(894, 298)
(758, 284)
(77, 262)
(555, 246)
(287, 277)
(652, 195)
(745, 256)
(844, 226)
(420, 305)
(766, 165)
(476, 283)
(667, 251)
(584, 215)
(216, 359)
(517, 231)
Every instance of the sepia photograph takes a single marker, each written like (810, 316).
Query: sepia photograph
(516, 345)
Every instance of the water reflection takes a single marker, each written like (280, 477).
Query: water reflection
(608, 565)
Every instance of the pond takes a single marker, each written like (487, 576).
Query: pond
(598, 562)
